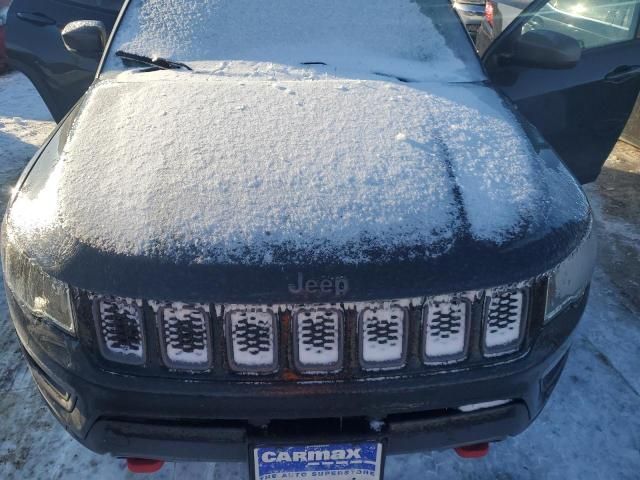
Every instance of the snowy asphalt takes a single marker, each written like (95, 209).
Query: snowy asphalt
(589, 430)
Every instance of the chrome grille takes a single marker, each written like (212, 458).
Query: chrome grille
(445, 327)
(383, 337)
(251, 339)
(318, 339)
(504, 321)
(120, 333)
(185, 336)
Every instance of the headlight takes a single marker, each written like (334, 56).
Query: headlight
(43, 295)
(568, 282)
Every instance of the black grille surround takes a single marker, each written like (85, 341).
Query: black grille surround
(287, 368)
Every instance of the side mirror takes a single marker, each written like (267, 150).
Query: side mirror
(85, 37)
(547, 49)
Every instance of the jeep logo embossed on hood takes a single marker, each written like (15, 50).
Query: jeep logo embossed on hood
(337, 285)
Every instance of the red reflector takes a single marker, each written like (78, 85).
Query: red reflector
(142, 465)
(488, 12)
(478, 450)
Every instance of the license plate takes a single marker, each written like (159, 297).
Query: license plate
(348, 461)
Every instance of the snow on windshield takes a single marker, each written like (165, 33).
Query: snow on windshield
(393, 37)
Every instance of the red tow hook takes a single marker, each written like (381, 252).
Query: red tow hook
(478, 450)
(143, 465)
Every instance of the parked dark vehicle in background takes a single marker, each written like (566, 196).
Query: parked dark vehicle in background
(273, 234)
(471, 13)
(583, 119)
(4, 61)
(498, 15)
(36, 48)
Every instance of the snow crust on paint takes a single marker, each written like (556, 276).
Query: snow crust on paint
(81, 24)
(387, 37)
(180, 170)
(123, 307)
(194, 314)
(245, 342)
(503, 325)
(376, 425)
(440, 339)
(376, 346)
(318, 333)
(479, 406)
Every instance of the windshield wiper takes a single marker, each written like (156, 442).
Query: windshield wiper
(389, 75)
(158, 62)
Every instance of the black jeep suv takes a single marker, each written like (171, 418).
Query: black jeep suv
(303, 235)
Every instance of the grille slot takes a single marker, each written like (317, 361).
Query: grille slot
(445, 327)
(504, 321)
(252, 340)
(119, 327)
(185, 335)
(318, 333)
(383, 337)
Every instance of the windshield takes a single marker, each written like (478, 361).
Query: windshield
(412, 40)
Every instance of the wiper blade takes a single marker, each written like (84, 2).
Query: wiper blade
(159, 62)
(389, 75)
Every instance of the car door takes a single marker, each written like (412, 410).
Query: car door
(35, 47)
(581, 108)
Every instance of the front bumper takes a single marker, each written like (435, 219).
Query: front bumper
(169, 419)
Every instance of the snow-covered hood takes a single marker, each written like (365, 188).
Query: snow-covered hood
(198, 170)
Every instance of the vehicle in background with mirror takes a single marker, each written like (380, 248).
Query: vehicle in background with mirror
(573, 70)
(497, 16)
(36, 47)
(471, 13)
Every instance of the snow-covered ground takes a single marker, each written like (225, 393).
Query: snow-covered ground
(590, 429)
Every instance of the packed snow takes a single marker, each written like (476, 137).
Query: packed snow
(308, 169)
(504, 307)
(110, 310)
(383, 333)
(246, 327)
(318, 332)
(446, 329)
(197, 353)
(479, 406)
(590, 429)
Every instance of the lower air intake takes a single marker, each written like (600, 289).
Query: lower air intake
(383, 337)
(119, 326)
(252, 339)
(504, 321)
(318, 335)
(186, 336)
(445, 325)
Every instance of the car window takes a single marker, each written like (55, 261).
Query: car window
(594, 23)
(411, 40)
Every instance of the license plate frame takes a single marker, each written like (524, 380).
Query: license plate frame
(320, 464)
